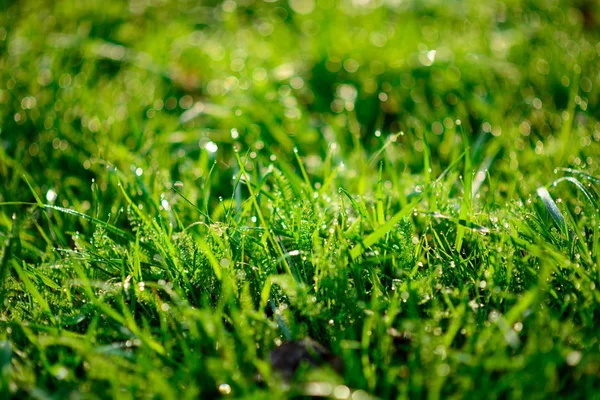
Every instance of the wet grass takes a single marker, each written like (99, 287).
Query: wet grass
(188, 193)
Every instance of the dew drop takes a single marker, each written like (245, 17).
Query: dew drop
(224, 388)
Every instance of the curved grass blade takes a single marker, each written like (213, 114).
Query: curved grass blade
(553, 210)
(590, 199)
(467, 224)
(579, 186)
(109, 227)
(577, 172)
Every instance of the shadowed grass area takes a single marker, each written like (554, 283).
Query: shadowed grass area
(338, 199)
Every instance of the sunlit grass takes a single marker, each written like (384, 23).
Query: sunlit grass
(400, 196)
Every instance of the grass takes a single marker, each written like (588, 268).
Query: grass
(185, 187)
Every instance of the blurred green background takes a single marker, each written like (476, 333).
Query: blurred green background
(147, 84)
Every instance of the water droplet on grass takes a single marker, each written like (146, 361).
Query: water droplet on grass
(211, 147)
(443, 369)
(341, 392)
(573, 358)
(518, 326)
(225, 263)
(61, 373)
(224, 388)
(51, 196)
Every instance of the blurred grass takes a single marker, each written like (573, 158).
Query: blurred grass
(186, 185)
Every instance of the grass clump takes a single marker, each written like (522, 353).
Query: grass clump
(402, 195)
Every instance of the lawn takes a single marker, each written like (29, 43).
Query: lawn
(346, 199)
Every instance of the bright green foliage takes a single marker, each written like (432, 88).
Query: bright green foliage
(186, 185)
